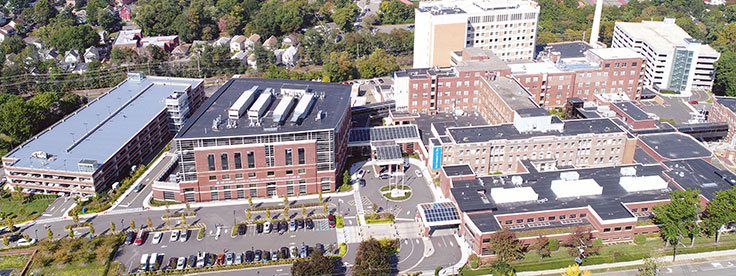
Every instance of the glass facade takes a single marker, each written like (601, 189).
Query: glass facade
(682, 60)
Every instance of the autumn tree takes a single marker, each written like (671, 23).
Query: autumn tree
(506, 246)
(542, 247)
(371, 259)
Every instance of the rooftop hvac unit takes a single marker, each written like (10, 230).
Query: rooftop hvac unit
(242, 103)
(282, 109)
(261, 105)
(302, 108)
(628, 171)
(516, 180)
(569, 176)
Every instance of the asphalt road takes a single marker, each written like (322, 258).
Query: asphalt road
(135, 199)
(405, 209)
(714, 268)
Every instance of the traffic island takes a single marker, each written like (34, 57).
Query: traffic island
(396, 193)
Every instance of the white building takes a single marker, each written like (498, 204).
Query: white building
(674, 60)
(507, 27)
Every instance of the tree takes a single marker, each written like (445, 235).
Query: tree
(574, 270)
(250, 201)
(320, 195)
(149, 222)
(78, 37)
(339, 67)
(719, 212)
(304, 210)
(6, 241)
(325, 209)
(17, 6)
(580, 238)
(317, 264)
(268, 213)
(157, 54)
(396, 12)
(43, 12)
(71, 233)
(345, 16)
(286, 200)
(168, 223)
(183, 219)
(725, 75)
(650, 267)
(112, 226)
(247, 213)
(371, 259)
(75, 218)
(542, 247)
(156, 17)
(554, 244)
(377, 64)
(506, 246)
(726, 41)
(286, 212)
(91, 230)
(678, 218)
(50, 233)
(108, 21)
(346, 178)
(132, 224)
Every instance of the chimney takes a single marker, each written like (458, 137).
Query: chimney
(596, 24)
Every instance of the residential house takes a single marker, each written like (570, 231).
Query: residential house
(223, 41)
(289, 57)
(70, 3)
(290, 40)
(72, 56)
(252, 61)
(278, 53)
(125, 13)
(251, 41)
(103, 36)
(81, 16)
(3, 19)
(237, 43)
(49, 54)
(168, 43)
(91, 54)
(181, 51)
(240, 56)
(18, 24)
(270, 43)
(6, 31)
(35, 41)
(127, 39)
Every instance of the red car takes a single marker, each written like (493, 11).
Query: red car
(332, 220)
(220, 259)
(139, 237)
(693, 102)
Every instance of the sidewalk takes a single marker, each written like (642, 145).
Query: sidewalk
(666, 259)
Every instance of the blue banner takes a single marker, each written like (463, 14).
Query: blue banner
(436, 158)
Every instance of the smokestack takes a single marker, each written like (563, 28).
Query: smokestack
(596, 24)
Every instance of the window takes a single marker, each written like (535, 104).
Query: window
(214, 195)
(238, 162)
(223, 161)
(290, 189)
(238, 175)
(270, 173)
(269, 155)
(551, 218)
(583, 215)
(562, 217)
(300, 156)
(519, 221)
(253, 192)
(302, 171)
(530, 220)
(251, 159)
(644, 209)
(288, 157)
(169, 196)
(302, 189)
(241, 194)
(635, 210)
(573, 216)
(628, 228)
(617, 229)
(606, 230)
(540, 219)
(289, 172)
(509, 222)
(251, 174)
(213, 177)
(211, 162)
(225, 176)
(228, 195)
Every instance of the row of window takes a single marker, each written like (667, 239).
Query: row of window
(542, 219)
(618, 229)
(224, 159)
(253, 174)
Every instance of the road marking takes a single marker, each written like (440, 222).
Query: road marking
(406, 241)
(717, 265)
(417, 240)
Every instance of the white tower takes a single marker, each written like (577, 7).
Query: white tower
(596, 24)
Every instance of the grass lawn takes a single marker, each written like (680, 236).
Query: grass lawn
(377, 221)
(80, 256)
(20, 211)
(614, 253)
(16, 262)
(339, 221)
(406, 196)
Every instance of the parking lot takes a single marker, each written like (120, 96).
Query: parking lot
(130, 255)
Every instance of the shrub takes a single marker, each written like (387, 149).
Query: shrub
(597, 242)
(200, 234)
(501, 268)
(640, 239)
(474, 261)
(437, 270)
(554, 244)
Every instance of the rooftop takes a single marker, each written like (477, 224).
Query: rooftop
(329, 107)
(513, 93)
(479, 134)
(675, 145)
(442, 121)
(473, 6)
(127, 37)
(458, 170)
(697, 174)
(660, 35)
(728, 102)
(572, 49)
(98, 130)
(615, 53)
(632, 111)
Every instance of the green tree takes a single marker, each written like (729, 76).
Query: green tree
(346, 178)
(112, 226)
(75, 218)
(396, 12)
(371, 259)
(719, 212)
(304, 210)
(506, 246)
(320, 195)
(78, 37)
(650, 267)
(286, 212)
(268, 213)
(149, 222)
(183, 219)
(247, 213)
(91, 230)
(156, 53)
(156, 17)
(12, 45)
(345, 16)
(71, 233)
(377, 64)
(317, 264)
(339, 67)
(250, 201)
(325, 209)
(43, 12)
(6, 241)
(50, 233)
(132, 224)
(108, 21)
(725, 75)
(17, 6)
(678, 218)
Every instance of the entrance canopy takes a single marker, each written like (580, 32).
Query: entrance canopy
(438, 214)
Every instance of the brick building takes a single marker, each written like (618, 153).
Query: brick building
(95, 146)
(262, 138)
(723, 109)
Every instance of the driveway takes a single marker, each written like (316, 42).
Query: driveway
(402, 210)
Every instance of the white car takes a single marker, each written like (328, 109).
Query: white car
(184, 236)
(361, 173)
(181, 262)
(157, 237)
(174, 236)
(267, 227)
(24, 242)
(418, 173)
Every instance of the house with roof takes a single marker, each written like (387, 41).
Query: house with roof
(125, 13)
(72, 56)
(49, 54)
(223, 41)
(237, 43)
(103, 35)
(181, 51)
(242, 57)
(91, 54)
(6, 31)
(252, 61)
(168, 43)
(270, 43)
(127, 39)
(35, 41)
(290, 40)
(251, 41)
(3, 19)
(289, 57)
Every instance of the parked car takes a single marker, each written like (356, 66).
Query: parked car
(144, 263)
(361, 182)
(139, 237)
(332, 220)
(418, 173)
(172, 263)
(275, 255)
(266, 256)
(174, 236)
(24, 242)
(309, 223)
(210, 259)
(300, 223)
(181, 263)
(257, 255)
(157, 237)
(292, 226)
(201, 256)
(361, 174)
(184, 235)
(385, 176)
(192, 261)
(693, 102)
(285, 252)
(267, 227)
(259, 228)
(220, 259)
(303, 251)
(238, 258)
(249, 256)
(283, 226)
(229, 258)
(242, 229)
(129, 237)
(294, 252)
(153, 262)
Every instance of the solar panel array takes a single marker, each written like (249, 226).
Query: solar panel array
(383, 133)
(440, 212)
(388, 152)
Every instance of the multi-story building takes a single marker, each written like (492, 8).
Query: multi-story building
(674, 60)
(566, 70)
(262, 138)
(508, 28)
(723, 109)
(537, 136)
(613, 202)
(98, 144)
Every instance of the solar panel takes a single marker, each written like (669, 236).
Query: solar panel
(383, 133)
(439, 212)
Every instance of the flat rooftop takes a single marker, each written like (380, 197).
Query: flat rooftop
(442, 121)
(572, 49)
(332, 101)
(615, 53)
(458, 170)
(728, 102)
(697, 174)
(661, 36)
(515, 95)
(675, 145)
(479, 134)
(473, 6)
(633, 111)
(97, 130)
